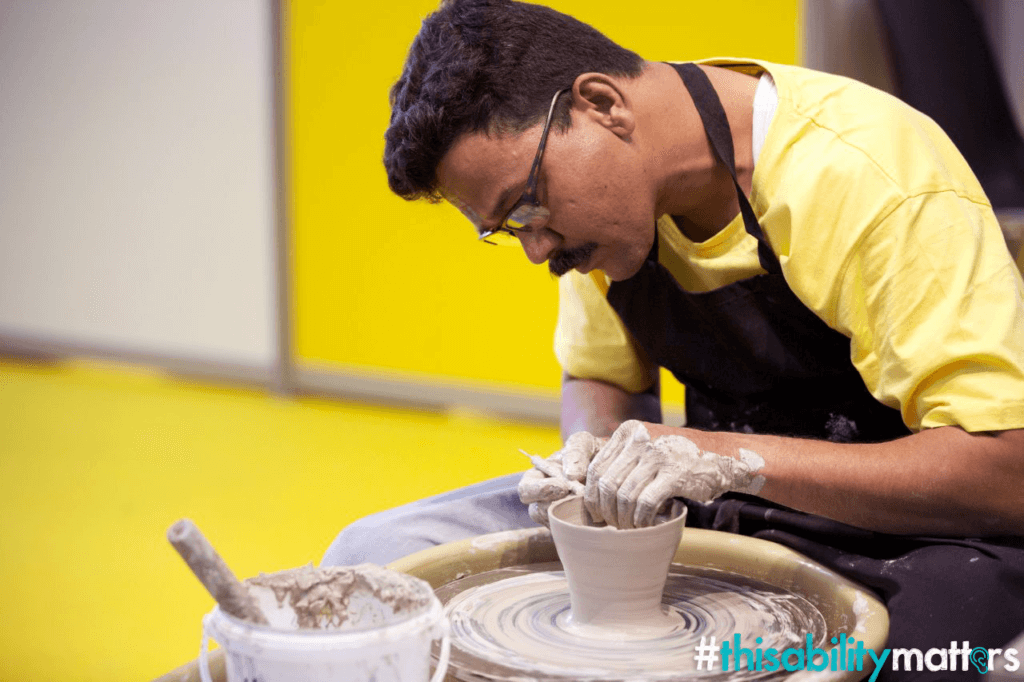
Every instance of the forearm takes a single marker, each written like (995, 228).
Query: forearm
(599, 408)
(938, 481)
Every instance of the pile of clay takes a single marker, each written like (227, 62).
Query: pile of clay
(516, 623)
(338, 597)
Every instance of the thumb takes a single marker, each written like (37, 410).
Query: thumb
(579, 449)
(536, 487)
(539, 513)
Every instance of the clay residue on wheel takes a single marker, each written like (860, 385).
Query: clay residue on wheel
(515, 623)
(322, 597)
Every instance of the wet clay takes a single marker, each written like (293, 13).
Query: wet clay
(335, 596)
(616, 577)
(516, 623)
(614, 612)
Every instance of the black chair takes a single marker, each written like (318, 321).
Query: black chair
(943, 66)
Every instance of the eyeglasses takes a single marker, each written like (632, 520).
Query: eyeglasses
(527, 213)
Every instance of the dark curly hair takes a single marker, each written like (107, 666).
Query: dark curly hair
(486, 65)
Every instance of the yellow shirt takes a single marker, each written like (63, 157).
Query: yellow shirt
(881, 229)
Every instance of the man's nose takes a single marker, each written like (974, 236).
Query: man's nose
(539, 244)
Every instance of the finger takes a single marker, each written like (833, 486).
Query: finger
(624, 462)
(534, 486)
(531, 477)
(641, 476)
(592, 495)
(552, 466)
(610, 481)
(548, 467)
(539, 513)
(628, 432)
(651, 498)
(592, 501)
(579, 449)
(530, 483)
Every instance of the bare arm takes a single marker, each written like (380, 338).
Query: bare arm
(938, 481)
(599, 408)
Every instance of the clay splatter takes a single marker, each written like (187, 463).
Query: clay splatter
(516, 622)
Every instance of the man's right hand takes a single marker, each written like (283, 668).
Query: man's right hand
(560, 475)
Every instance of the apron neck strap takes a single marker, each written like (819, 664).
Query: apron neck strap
(716, 125)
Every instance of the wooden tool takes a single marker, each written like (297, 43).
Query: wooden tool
(232, 596)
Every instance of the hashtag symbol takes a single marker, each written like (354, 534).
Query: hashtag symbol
(706, 653)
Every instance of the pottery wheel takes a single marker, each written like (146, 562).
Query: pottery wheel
(515, 622)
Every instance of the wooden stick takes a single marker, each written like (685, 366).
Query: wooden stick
(213, 573)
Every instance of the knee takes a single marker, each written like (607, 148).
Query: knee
(375, 539)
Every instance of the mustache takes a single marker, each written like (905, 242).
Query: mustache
(565, 260)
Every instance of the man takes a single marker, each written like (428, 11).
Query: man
(814, 261)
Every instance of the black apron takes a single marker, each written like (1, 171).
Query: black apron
(755, 359)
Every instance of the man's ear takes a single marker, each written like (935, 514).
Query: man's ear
(601, 98)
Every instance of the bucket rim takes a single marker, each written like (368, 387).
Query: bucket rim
(430, 612)
(237, 637)
(250, 639)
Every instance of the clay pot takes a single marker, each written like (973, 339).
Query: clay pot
(616, 577)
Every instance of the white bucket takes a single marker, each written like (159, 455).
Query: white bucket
(397, 650)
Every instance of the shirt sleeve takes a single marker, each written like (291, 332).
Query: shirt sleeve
(591, 342)
(934, 306)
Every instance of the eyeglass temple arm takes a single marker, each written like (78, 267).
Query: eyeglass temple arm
(531, 187)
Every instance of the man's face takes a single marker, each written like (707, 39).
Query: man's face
(591, 180)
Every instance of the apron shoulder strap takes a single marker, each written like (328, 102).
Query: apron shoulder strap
(716, 125)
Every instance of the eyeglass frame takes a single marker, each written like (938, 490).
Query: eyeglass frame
(529, 195)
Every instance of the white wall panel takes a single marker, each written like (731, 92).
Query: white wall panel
(137, 182)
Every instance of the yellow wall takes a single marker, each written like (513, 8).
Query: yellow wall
(382, 283)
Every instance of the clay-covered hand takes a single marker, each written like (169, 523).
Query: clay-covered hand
(632, 476)
(560, 475)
